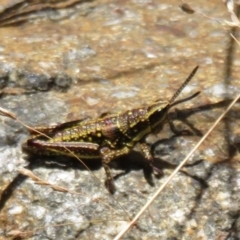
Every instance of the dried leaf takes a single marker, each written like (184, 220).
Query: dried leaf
(21, 10)
(186, 8)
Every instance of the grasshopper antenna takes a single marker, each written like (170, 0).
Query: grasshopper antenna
(172, 103)
(183, 85)
(185, 99)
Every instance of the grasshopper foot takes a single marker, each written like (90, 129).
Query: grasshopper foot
(157, 171)
(110, 186)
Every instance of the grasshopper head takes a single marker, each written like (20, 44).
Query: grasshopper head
(157, 114)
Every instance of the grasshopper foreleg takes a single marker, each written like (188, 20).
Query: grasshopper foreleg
(172, 126)
(107, 156)
(175, 130)
(148, 156)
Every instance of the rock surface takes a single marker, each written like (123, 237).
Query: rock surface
(93, 57)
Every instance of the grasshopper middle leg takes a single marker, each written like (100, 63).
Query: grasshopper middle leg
(107, 156)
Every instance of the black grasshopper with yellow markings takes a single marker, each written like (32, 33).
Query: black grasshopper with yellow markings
(106, 137)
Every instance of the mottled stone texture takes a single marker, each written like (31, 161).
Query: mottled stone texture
(91, 57)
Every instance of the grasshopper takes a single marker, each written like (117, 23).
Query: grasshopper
(107, 137)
